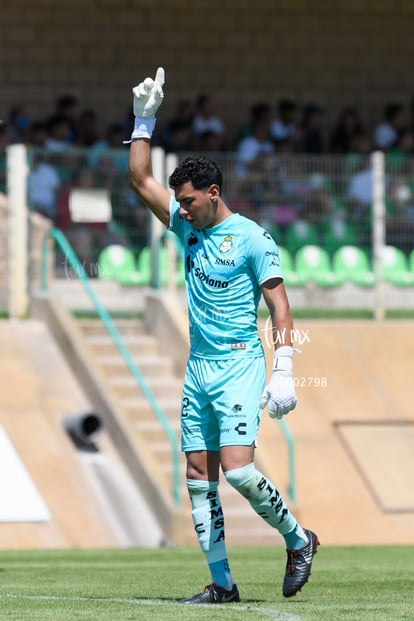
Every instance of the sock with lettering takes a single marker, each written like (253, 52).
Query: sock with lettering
(263, 497)
(208, 520)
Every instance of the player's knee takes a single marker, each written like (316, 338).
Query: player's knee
(197, 486)
(242, 479)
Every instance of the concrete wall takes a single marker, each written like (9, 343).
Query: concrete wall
(354, 431)
(92, 500)
(356, 52)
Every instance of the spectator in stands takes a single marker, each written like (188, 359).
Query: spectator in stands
(37, 134)
(346, 130)
(130, 215)
(260, 111)
(67, 106)
(4, 142)
(88, 132)
(361, 144)
(386, 132)
(412, 112)
(58, 138)
(360, 185)
(400, 214)
(319, 205)
(254, 161)
(285, 126)
(402, 149)
(18, 124)
(4, 136)
(310, 134)
(109, 157)
(43, 185)
(360, 196)
(360, 149)
(178, 132)
(206, 119)
(86, 238)
(208, 141)
(252, 148)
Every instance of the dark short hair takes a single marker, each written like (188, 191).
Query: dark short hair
(201, 171)
(392, 110)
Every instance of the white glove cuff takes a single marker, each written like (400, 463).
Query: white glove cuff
(282, 359)
(143, 128)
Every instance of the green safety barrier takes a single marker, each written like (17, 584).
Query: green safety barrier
(290, 442)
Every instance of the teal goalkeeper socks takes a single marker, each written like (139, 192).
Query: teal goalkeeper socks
(296, 539)
(220, 574)
(263, 496)
(208, 520)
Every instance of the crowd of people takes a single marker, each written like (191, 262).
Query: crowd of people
(196, 125)
(280, 196)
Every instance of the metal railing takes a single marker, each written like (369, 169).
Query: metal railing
(107, 321)
(290, 444)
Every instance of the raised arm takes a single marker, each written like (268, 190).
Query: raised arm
(148, 96)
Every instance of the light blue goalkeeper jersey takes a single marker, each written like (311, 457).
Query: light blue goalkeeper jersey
(224, 268)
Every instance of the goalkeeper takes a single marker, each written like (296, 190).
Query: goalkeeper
(230, 262)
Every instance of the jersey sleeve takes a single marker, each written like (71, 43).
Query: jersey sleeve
(174, 219)
(176, 225)
(263, 256)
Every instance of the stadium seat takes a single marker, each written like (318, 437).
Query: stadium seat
(313, 264)
(300, 233)
(351, 263)
(116, 262)
(395, 267)
(290, 276)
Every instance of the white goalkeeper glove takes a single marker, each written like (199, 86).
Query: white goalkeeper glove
(148, 96)
(279, 395)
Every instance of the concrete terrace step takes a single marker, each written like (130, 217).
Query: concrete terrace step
(156, 434)
(150, 365)
(149, 426)
(136, 343)
(95, 327)
(170, 406)
(160, 386)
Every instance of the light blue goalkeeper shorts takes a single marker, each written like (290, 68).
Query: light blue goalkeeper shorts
(220, 403)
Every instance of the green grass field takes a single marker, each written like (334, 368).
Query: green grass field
(350, 584)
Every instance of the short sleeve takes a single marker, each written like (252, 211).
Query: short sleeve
(263, 256)
(178, 225)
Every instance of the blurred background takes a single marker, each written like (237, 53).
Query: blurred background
(309, 109)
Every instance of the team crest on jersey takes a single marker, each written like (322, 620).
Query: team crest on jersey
(227, 244)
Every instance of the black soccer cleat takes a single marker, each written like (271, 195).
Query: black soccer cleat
(213, 594)
(298, 566)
